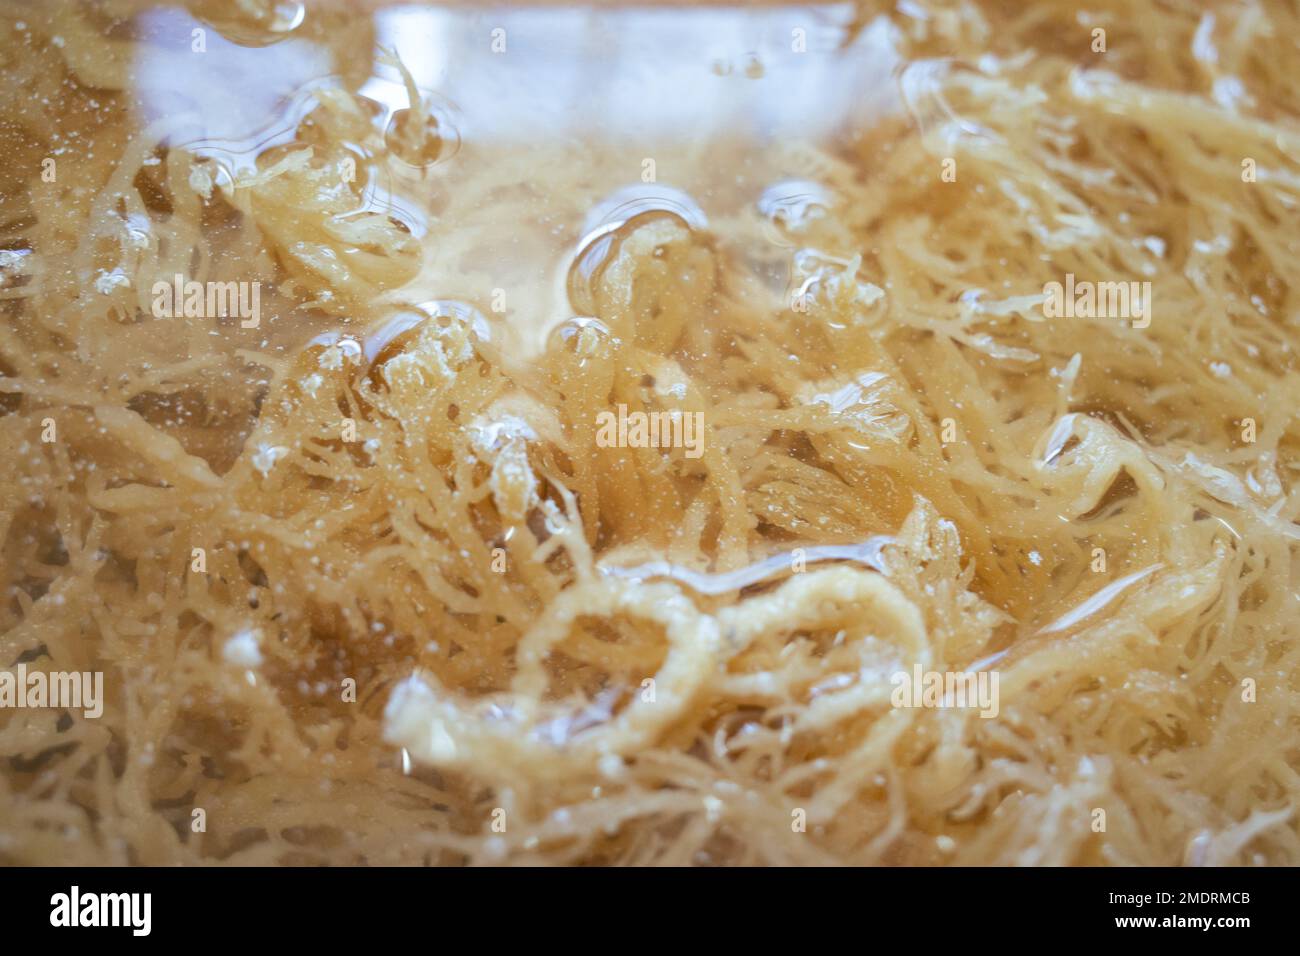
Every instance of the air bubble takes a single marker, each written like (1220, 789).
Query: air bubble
(384, 341)
(580, 336)
(256, 24)
(417, 139)
(614, 220)
(794, 204)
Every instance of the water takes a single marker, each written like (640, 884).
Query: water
(544, 134)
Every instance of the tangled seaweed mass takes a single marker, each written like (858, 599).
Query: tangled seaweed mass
(363, 583)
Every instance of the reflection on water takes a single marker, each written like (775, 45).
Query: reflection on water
(646, 74)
